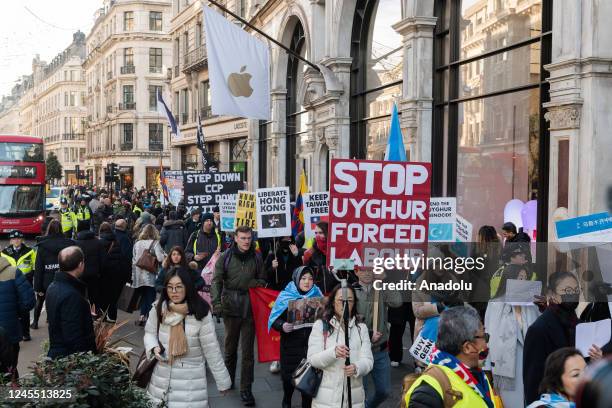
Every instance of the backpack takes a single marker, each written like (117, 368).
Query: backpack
(227, 257)
(451, 397)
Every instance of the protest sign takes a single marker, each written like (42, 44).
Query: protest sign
(463, 236)
(273, 212)
(316, 205)
(304, 312)
(205, 190)
(227, 214)
(522, 292)
(442, 213)
(425, 341)
(174, 182)
(377, 209)
(245, 210)
(587, 334)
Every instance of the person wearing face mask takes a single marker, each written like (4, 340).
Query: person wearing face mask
(316, 258)
(282, 262)
(554, 329)
(508, 325)
(461, 346)
(294, 342)
(562, 376)
(380, 376)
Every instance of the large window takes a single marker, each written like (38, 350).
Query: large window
(155, 60)
(128, 21)
(153, 90)
(296, 115)
(128, 56)
(127, 136)
(238, 156)
(184, 106)
(376, 75)
(204, 100)
(489, 141)
(155, 21)
(128, 95)
(156, 137)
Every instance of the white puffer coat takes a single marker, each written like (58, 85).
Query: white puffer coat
(183, 384)
(322, 354)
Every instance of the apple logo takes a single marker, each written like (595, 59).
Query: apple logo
(238, 83)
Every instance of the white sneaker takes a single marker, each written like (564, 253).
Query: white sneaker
(395, 364)
(275, 367)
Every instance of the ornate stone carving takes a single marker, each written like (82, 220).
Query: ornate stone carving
(564, 117)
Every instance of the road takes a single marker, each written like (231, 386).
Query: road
(267, 387)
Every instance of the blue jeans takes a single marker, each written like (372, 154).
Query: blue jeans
(381, 376)
(147, 297)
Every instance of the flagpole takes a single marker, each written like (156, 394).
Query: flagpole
(288, 50)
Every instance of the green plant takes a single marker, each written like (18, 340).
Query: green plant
(100, 380)
(54, 168)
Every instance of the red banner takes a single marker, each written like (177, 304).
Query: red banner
(377, 209)
(268, 344)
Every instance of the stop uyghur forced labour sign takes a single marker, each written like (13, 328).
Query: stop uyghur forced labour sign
(377, 209)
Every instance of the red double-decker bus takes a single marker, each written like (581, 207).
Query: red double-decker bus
(22, 184)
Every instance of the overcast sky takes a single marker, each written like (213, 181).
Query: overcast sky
(45, 27)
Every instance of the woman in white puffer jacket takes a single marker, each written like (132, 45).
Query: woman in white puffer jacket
(327, 350)
(187, 335)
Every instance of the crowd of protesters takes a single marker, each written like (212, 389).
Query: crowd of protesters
(488, 352)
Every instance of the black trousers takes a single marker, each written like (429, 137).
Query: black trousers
(288, 389)
(243, 331)
(10, 361)
(40, 302)
(24, 317)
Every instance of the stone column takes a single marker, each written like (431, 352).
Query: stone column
(278, 142)
(580, 94)
(416, 103)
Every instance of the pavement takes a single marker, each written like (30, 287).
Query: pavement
(267, 387)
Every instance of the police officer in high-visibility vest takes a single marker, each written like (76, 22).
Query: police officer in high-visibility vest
(23, 258)
(203, 242)
(67, 218)
(82, 210)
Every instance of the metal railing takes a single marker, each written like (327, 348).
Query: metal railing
(156, 146)
(155, 70)
(184, 118)
(73, 136)
(126, 145)
(128, 69)
(109, 75)
(176, 71)
(195, 59)
(110, 109)
(127, 106)
(206, 112)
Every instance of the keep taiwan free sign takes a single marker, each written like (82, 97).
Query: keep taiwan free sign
(377, 209)
(206, 190)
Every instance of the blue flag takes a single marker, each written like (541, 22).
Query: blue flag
(162, 108)
(395, 145)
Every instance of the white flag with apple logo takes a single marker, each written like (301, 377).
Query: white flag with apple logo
(238, 69)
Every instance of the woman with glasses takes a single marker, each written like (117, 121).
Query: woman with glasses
(180, 334)
(553, 330)
(328, 351)
(508, 325)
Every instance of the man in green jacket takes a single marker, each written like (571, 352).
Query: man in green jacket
(238, 269)
(370, 299)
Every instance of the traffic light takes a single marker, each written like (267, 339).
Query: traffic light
(77, 171)
(107, 178)
(114, 172)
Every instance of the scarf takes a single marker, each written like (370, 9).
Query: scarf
(568, 321)
(552, 400)
(291, 292)
(321, 245)
(473, 378)
(173, 316)
(243, 256)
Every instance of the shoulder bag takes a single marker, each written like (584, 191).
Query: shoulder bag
(307, 378)
(145, 367)
(148, 259)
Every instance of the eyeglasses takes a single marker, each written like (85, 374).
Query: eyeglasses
(175, 289)
(339, 301)
(486, 337)
(569, 291)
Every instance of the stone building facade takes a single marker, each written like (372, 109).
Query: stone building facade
(128, 55)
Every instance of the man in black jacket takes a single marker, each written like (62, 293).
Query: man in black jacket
(193, 223)
(514, 240)
(95, 256)
(70, 323)
(282, 263)
(172, 233)
(47, 251)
